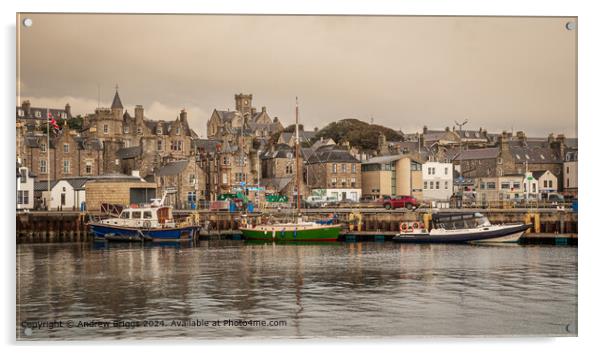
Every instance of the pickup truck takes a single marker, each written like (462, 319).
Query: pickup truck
(400, 201)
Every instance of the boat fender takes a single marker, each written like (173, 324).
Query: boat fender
(403, 226)
(146, 224)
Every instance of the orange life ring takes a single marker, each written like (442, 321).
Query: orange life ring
(415, 225)
(403, 226)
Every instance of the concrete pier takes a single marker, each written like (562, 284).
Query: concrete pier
(548, 225)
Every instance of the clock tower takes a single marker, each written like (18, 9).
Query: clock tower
(244, 103)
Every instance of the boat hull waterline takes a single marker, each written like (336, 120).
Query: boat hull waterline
(328, 233)
(103, 232)
(490, 234)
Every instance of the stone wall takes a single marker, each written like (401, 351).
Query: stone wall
(113, 192)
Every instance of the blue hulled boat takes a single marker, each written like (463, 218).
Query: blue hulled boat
(153, 222)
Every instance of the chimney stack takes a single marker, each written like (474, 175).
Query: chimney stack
(139, 113)
(263, 110)
(68, 110)
(504, 141)
(26, 105)
(184, 116)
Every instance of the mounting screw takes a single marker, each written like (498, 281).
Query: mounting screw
(28, 22)
(570, 26)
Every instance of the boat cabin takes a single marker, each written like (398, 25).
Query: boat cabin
(456, 221)
(143, 217)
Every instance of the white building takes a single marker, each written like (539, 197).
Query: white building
(530, 186)
(24, 188)
(65, 194)
(547, 182)
(437, 178)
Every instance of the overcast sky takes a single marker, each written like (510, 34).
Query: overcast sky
(404, 72)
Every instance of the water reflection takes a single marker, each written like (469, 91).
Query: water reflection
(333, 289)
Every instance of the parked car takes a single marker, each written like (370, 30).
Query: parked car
(400, 201)
(315, 201)
(332, 201)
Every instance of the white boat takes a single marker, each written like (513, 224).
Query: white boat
(460, 227)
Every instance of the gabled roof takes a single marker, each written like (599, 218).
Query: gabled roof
(129, 152)
(277, 183)
(43, 186)
(116, 101)
(226, 115)
(478, 154)
(383, 159)
(172, 168)
(538, 174)
(331, 155)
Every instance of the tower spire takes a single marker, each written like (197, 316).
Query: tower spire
(116, 100)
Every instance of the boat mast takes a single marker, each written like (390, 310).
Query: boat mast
(297, 153)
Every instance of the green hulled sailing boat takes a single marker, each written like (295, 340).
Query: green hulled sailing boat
(298, 230)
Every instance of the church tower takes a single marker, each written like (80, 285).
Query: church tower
(244, 103)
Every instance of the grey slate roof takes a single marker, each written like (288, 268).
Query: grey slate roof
(43, 186)
(277, 183)
(478, 154)
(172, 168)
(207, 145)
(226, 115)
(325, 155)
(532, 153)
(304, 136)
(130, 152)
(116, 101)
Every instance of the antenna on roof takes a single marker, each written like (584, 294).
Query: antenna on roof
(460, 125)
(98, 89)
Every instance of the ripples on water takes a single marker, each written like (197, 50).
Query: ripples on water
(324, 290)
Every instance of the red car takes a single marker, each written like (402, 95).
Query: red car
(400, 201)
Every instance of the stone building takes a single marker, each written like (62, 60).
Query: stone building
(333, 172)
(158, 141)
(279, 170)
(570, 169)
(245, 120)
(185, 182)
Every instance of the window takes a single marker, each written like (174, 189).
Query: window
(22, 197)
(176, 145)
(482, 185)
(490, 185)
(343, 167)
(516, 185)
(505, 185)
(38, 114)
(343, 182)
(226, 160)
(159, 130)
(333, 181)
(43, 147)
(66, 148)
(550, 184)
(415, 166)
(446, 185)
(545, 184)
(426, 185)
(126, 129)
(534, 187)
(353, 168)
(432, 185)
(334, 168)
(437, 185)
(567, 169)
(136, 214)
(105, 129)
(446, 171)
(125, 215)
(191, 197)
(289, 169)
(500, 161)
(159, 145)
(191, 179)
(147, 215)
(352, 181)
(66, 166)
(23, 173)
(42, 166)
(567, 182)
(88, 167)
(224, 178)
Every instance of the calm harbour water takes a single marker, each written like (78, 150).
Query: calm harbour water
(324, 290)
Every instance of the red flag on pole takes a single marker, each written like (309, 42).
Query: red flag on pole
(53, 123)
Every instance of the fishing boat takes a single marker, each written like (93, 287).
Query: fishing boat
(298, 230)
(143, 223)
(458, 228)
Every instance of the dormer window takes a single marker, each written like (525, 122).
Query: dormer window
(126, 129)
(38, 114)
(159, 130)
(21, 113)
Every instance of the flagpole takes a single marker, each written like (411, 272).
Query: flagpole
(48, 157)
